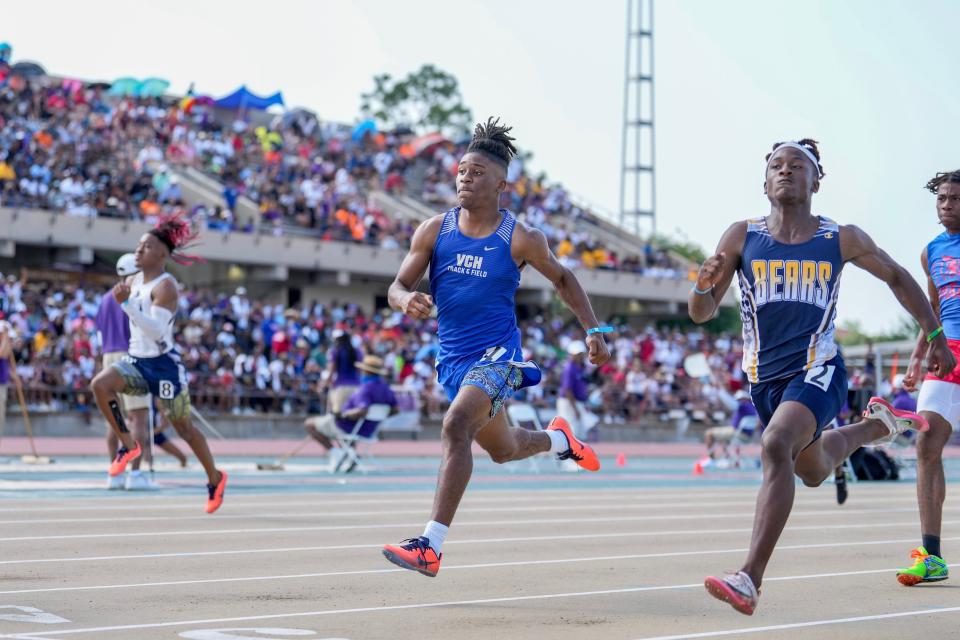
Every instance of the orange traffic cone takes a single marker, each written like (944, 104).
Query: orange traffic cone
(698, 468)
(621, 459)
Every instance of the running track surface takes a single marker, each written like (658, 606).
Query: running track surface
(534, 553)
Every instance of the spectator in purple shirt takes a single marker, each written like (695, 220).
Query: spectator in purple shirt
(373, 389)
(114, 331)
(742, 426)
(904, 401)
(6, 348)
(573, 393)
(342, 375)
(745, 409)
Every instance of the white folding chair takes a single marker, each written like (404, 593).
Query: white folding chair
(747, 422)
(525, 416)
(351, 442)
(681, 419)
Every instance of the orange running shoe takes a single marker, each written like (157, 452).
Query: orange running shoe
(581, 452)
(216, 493)
(415, 554)
(124, 457)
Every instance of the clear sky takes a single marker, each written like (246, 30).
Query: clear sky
(875, 81)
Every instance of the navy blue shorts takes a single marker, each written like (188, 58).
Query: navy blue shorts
(822, 389)
(164, 377)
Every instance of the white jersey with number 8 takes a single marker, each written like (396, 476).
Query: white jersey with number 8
(141, 296)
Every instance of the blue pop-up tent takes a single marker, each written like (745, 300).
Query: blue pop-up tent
(243, 98)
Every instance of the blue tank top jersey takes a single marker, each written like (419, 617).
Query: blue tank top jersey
(474, 282)
(943, 260)
(788, 301)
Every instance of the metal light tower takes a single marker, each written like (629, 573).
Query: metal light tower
(637, 184)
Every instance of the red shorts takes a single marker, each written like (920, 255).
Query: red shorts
(953, 376)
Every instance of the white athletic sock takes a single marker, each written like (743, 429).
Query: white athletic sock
(436, 533)
(558, 441)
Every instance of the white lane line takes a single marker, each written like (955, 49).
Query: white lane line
(144, 502)
(476, 523)
(496, 496)
(430, 605)
(801, 625)
(486, 565)
(377, 512)
(619, 506)
(581, 536)
(589, 506)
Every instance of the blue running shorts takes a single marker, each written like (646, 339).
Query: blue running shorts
(499, 372)
(822, 389)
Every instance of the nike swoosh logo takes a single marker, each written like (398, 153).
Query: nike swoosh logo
(489, 248)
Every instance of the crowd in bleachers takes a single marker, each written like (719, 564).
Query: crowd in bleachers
(70, 146)
(244, 355)
(550, 208)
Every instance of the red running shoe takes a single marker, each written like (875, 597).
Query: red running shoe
(124, 457)
(415, 554)
(216, 493)
(579, 451)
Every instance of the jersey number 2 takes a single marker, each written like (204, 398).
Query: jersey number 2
(821, 376)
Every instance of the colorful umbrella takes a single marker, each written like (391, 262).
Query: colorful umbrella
(124, 86)
(28, 69)
(427, 142)
(188, 103)
(361, 130)
(152, 87)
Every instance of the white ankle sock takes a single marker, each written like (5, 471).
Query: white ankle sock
(558, 441)
(436, 533)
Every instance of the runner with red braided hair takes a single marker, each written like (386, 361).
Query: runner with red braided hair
(150, 299)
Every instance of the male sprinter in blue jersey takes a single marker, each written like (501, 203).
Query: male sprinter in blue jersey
(788, 265)
(939, 401)
(475, 253)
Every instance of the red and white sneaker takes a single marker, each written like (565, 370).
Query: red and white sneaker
(737, 590)
(895, 420)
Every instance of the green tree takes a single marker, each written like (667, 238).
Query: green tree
(727, 320)
(425, 100)
(851, 332)
(681, 245)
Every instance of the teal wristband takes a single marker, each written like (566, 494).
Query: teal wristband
(934, 334)
(593, 330)
(703, 292)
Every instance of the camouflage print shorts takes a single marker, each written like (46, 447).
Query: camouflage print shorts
(163, 377)
(499, 380)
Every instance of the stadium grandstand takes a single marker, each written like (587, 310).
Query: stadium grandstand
(263, 368)
(303, 226)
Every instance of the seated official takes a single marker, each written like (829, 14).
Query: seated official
(373, 389)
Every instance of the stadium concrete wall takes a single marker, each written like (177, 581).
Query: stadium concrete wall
(308, 262)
